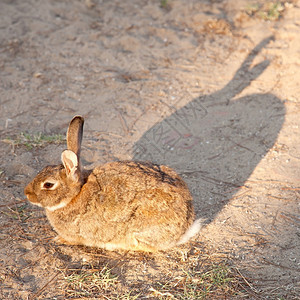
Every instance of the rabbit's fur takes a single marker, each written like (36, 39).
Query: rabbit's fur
(120, 205)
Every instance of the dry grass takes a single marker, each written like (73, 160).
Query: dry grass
(89, 281)
(212, 281)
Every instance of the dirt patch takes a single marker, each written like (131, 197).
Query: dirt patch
(207, 87)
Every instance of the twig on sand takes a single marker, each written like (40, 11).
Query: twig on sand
(34, 296)
(13, 203)
(279, 265)
(247, 282)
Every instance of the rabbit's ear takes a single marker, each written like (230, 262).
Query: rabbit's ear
(70, 162)
(74, 135)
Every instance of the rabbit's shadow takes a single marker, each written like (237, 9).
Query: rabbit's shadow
(215, 142)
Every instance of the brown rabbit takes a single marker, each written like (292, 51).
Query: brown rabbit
(120, 205)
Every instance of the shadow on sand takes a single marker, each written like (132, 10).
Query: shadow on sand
(215, 141)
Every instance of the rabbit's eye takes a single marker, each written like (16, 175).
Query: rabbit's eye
(48, 185)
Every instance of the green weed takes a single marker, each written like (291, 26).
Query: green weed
(34, 140)
(271, 11)
(18, 212)
(165, 4)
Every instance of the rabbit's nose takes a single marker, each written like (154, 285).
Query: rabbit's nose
(28, 190)
(30, 194)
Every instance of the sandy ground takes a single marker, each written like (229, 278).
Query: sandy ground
(201, 86)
